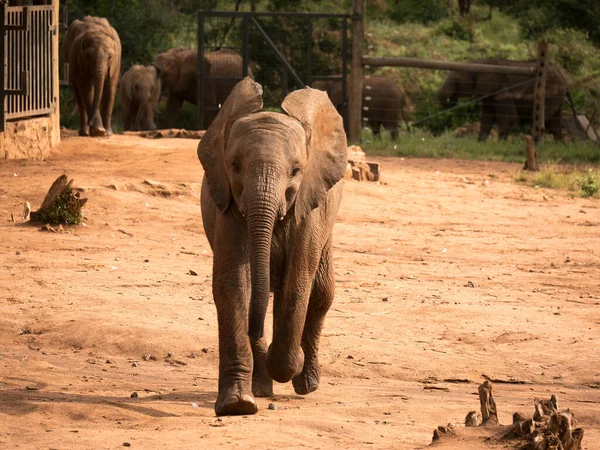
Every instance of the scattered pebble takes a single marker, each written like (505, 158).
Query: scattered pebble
(134, 395)
(194, 405)
(272, 406)
(470, 284)
(193, 273)
(126, 444)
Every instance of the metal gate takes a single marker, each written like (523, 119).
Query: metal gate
(27, 54)
(281, 51)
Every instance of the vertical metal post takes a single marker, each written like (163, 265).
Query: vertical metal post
(2, 66)
(245, 35)
(345, 72)
(539, 92)
(355, 97)
(309, 45)
(200, 87)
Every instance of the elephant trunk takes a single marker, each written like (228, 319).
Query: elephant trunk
(99, 76)
(262, 206)
(447, 95)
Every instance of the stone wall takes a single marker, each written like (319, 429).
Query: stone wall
(28, 138)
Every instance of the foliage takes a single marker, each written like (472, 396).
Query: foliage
(61, 211)
(556, 176)
(457, 28)
(422, 11)
(589, 184)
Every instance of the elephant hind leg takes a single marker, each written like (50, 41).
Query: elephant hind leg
(488, 117)
(320, 301)
(81, 106)
(107, 104)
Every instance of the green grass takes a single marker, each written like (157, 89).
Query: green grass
(580, 180)
(420, 144)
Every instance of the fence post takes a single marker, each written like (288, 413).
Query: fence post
(3, 63)
(200, 77)
(539, 92)
(355, 88)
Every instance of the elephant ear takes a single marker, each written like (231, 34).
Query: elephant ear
(326, 146)
(245, 98)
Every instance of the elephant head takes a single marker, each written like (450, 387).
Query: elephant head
(178, 68)
(457, 85)
(266, 166)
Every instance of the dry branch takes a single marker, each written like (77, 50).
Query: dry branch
(488, 405)
(61, 205)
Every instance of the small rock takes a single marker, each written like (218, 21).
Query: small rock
(194, 405)
(126, 444)
(385, 299)
(272, 406)
(133, 364)
(470, 284)
(349, 357)
(204, 350)
(134, 395)
(18, 253)
(193, 273)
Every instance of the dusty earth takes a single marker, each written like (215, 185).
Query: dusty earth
(448, 271)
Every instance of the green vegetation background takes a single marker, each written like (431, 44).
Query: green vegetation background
(414, 28)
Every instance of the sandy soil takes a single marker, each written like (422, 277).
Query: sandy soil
(447, 271)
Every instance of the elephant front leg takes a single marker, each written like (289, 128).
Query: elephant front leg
(235, 354)
(487, 121)
(262, 383)
(173, 108)
(107, 104)
(320, 301)
(231, 291)
(81, 107)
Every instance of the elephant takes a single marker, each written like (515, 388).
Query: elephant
(508, 106)
(383, 102)
(140, 92)
(270, 195)
(179, 68)
(93, 50)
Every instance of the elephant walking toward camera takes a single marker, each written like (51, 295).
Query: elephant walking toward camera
(270, 196)
(504, 106)
(140, 93)
(93, 50)
(383, 102)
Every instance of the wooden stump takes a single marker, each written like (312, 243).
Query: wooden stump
(472, 419)
(531, 163)
(489, 415)
(61, 205)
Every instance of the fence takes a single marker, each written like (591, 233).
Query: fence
(27, 53)
(281, 51)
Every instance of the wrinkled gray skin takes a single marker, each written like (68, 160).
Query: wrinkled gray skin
(506, 108)
(93, 50)
(270, 196)
(179, 68)
(381, 95)
(140, 92)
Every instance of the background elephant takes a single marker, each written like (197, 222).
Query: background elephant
(270, 195)
(385, 101)
(93, 50)
(140, 93)
(506, 108)
(179, 67)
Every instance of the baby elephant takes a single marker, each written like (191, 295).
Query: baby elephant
(270, 196)
(140, 93)
(93, 50)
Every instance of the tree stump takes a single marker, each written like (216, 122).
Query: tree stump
(531, 163)
(489, 415)
(472, 419)
(61, 205)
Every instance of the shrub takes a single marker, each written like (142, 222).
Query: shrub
(423, 11)
(457, 28)
(588, 185)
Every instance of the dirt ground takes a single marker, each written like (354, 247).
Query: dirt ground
(447, 271)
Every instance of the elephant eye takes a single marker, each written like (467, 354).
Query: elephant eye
(235, 166)
(295, 171)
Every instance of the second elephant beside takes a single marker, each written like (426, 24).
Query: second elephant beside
(140, 92)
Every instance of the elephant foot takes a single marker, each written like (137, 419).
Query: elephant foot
(308, 380)
(83, 132)
(284, 365)
(97, 131)
(109, 132)
(262, 384)
(235, 401)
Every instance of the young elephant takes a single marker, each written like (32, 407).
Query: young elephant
(270, 196)
(140, 93)
(93, 50)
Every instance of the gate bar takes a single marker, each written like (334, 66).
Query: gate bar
(277, 53)
(245, 58)
(3, 65)
(200, 77)
(309, 46)
(445, 65)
